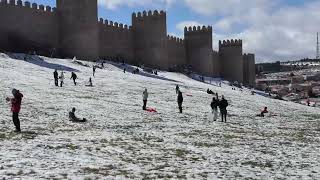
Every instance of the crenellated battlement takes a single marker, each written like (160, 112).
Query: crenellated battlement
(145, 14)
(197, 29)
(230, 43)
(28, 5)
(115, 25)
(176, 39)
(248, 54)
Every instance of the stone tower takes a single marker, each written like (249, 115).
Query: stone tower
(231, 60)
(198, 44)
(249, 71)
(150, 39)
(78, 28)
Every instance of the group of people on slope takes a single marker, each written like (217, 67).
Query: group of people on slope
(222, 104)
(61, 78)
(145, 96)
(74, 77)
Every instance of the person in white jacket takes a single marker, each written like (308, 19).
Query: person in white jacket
(61, 78)
(145, 99)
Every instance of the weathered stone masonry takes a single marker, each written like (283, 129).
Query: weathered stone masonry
(73, 29)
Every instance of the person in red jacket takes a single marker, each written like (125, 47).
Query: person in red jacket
(15, 107)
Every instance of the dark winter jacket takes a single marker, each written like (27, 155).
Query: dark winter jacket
(16, 102)
(214, 104)
(73, 76)
(180, 97)
(55, 74)
(223, 104)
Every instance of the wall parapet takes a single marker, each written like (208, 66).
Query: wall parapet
(248, 54)
(175, 39)
(197, 29)
(120, 26)
(230, 43)
(144, 14)
(27, 4)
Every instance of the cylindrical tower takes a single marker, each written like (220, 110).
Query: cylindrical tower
(78, 28)
(150, 39)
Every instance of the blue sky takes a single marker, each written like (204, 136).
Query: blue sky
(272, 29)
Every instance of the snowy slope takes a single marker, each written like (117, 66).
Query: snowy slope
(121, 141)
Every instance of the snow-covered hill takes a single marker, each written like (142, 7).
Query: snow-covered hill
(121, 141)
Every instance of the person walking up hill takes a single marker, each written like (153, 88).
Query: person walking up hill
(74, 77)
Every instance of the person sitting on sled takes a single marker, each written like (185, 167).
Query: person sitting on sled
(74, 118)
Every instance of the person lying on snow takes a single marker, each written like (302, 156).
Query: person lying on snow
(73, 117)
(209, 91)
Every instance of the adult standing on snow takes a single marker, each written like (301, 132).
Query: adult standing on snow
(223, 104)
(61, 78)
(145, 99)
(180, 101)
(55, 75)
(177, 89)
(15, 108)
(214, 106)
(93, 69)
(74, 77)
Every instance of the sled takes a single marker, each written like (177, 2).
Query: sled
(151, 110)
(189, 95)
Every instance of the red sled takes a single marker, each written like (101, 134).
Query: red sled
(152, 110)
(189, 95)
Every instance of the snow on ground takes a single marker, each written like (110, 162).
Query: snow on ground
(121, 141)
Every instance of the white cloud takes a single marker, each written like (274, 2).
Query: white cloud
(180, 26)
(114, 4)
(271, 30)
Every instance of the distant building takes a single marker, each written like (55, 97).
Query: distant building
(72, 29)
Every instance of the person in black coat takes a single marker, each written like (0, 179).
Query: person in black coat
(93, 70)
(74, 77)
(56, 77)
(74, 118)
(177, 89)
(180, 101)
(223, 104)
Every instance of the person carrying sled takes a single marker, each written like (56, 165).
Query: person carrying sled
(223, 104)
(145, 99)
(15, 108)
(74, 118)
(74, 77)
(214, 107)
(180, 101)
(55, 76)
(61, 78)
